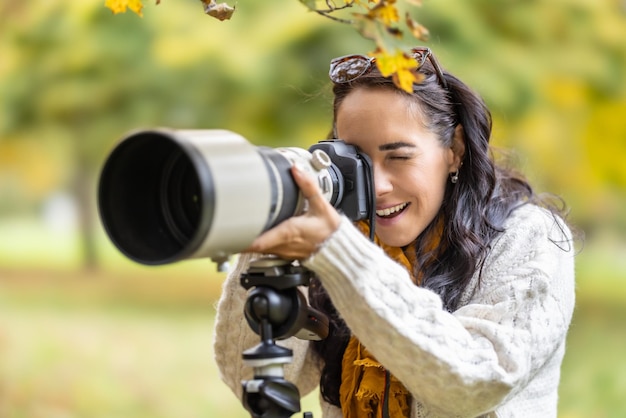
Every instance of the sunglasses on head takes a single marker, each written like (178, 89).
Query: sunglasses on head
(350, 67)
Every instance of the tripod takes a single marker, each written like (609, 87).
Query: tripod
(276, 309)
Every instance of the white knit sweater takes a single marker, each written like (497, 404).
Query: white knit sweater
(498, 355)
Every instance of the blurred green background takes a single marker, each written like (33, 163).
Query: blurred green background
(86, 333)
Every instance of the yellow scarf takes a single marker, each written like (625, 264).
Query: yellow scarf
(363, 381)
(363, 378)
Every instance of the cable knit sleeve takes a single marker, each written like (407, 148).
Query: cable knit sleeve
(232, 336)
(501, 350)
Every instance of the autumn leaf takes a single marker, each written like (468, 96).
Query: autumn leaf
(418, 31)
(399, 66)
(389, 64)
(120, 6)
(394, 32)
(221, 11)
(386, 12)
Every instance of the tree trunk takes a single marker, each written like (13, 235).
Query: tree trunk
(84, 191)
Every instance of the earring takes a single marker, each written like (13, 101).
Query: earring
(454, 177)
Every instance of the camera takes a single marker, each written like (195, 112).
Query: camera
(167, 195)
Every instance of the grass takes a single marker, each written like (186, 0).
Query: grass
(96, 364)
(62, 357)
(125, 341)
(132, 342)
(593, 380)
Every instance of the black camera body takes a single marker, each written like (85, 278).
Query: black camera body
(167, 195)
(352, 170)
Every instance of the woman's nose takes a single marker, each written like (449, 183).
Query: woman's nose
(382, 182)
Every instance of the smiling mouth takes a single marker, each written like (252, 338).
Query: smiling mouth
(392, 211)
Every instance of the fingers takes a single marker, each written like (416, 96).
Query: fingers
(310, 189)
(307, 184)
(300, 236)
(268, 240)
(286, 241)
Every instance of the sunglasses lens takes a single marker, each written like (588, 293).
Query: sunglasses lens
(347, 69)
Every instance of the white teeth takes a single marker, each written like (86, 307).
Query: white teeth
(389, 211)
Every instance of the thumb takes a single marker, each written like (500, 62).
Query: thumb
(309, 187)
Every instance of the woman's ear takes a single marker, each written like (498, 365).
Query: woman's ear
(458, 146)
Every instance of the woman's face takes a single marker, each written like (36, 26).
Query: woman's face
(411, 166)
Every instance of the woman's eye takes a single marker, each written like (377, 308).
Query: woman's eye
(400, 157)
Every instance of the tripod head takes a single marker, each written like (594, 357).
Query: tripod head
(276, 309)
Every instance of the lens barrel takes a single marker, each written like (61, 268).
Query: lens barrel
(167, 195)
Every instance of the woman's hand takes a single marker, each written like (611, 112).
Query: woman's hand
(300, 236)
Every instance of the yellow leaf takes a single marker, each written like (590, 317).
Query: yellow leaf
(386, 12)
(404, 79)
(120, 6)
(135, 6)
(116, 6)
(389, 64)
(399, 66)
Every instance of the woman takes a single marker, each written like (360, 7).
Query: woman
(461, 307)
